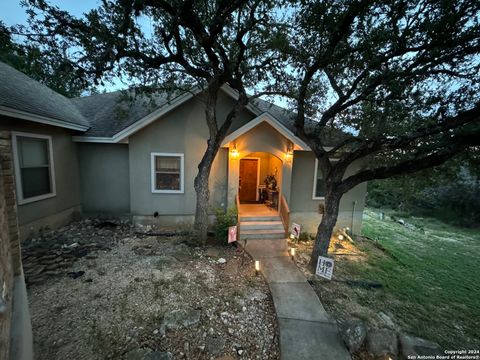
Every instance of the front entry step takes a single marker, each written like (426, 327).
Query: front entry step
(259, 218)
(261, 234)
(261, 225)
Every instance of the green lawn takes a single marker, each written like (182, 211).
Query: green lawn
(430, 273)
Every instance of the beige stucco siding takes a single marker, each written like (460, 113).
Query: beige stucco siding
(305, 210)
(181, 131)
(104, 178)
(59, 209)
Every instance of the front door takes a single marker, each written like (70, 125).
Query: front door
(248, 180)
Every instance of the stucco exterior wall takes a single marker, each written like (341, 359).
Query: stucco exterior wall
(182, 131)
(304, 210)
(67, 202)
(104, 178)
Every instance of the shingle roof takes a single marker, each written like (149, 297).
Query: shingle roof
(330, 135)
(110, 113)
(20, 92)
(105, 115)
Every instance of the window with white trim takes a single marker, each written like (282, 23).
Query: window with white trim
(318, 183)
(34, 173)
(167, 173)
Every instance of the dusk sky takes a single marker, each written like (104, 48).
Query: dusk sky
(11, 12)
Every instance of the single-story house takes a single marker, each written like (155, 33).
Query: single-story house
(106, 154)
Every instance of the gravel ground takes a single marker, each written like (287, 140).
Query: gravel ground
(150, 295)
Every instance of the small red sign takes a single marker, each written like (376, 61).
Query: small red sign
(232, 234)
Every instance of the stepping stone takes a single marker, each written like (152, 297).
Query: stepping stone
(310, 340)
(281, 270)
(266, 248)
(298, 301)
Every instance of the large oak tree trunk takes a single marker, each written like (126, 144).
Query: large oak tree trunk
(326, 226)
(201, 185)
(217, 135)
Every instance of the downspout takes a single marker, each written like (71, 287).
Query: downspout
(353, 214)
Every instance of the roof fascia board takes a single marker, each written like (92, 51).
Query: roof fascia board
(93, 139)
(39, 119)
(272, 121)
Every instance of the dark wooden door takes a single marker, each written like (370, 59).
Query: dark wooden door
(248, 179)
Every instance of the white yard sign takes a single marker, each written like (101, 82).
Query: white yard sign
(325, 267)
(295, 233)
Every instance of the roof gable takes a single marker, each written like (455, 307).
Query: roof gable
(273, 122)
(107, 127)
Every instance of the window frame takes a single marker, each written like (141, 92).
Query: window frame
(153, 172)
(21, 200)
(315, 172)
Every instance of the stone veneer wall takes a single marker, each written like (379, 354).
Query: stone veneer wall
(10, 260)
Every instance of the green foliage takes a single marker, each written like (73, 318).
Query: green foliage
(305, 236)
(450, 192)
(224, 219)
(51, 67)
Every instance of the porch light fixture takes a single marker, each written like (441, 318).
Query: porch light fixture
(234, 152)
(257, 267)
(289, 153)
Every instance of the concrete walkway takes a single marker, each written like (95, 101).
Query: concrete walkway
(306, 331)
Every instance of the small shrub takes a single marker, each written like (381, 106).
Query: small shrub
(224, 219)
(304, 237)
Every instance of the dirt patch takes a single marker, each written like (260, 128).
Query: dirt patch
(155, 293)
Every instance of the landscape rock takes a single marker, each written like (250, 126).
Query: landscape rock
(387, 320)
(353, 333)
(212, 252)
(256, 295)
(214, 345)
(164, 261)
(138, 354)
(415, 346)
(179, 318)
(231, 268)
(160, 355)
(222, 261)
(181, 252)
(147, 354)
(382, 342)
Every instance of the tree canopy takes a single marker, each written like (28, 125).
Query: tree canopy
(399, 78)
(51, 67)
